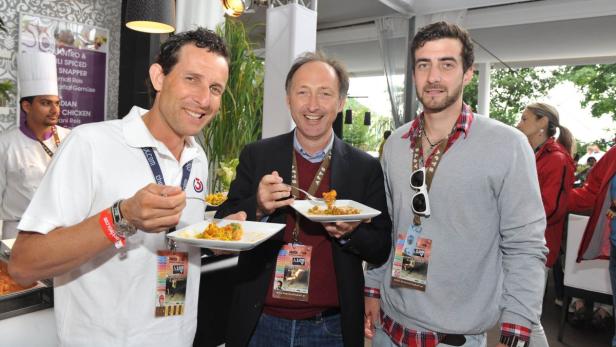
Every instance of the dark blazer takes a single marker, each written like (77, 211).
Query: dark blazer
(355, 175)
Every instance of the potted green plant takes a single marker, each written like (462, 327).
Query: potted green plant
(6, 90)
(241, 112)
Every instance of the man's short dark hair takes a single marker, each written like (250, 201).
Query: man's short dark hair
(341, 72)
(444, 30)
(200, 37)
(28, 99)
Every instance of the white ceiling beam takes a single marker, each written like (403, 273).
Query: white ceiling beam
(404, 7)
(538, 12)
(346, 35)
(424, 7)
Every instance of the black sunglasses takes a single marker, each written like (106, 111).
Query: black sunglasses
(419, 201)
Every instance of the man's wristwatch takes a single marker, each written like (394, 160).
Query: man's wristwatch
(123, 228)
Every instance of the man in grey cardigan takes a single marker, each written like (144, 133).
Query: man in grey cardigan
(469, 228)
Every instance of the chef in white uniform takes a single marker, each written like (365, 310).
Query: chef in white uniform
(26, 150)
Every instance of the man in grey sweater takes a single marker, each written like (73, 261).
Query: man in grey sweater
(469, 228)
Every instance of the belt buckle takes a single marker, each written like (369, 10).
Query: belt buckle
(453, 339)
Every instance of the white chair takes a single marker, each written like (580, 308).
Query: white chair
(589, 279)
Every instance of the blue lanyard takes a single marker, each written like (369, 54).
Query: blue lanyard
(158, 174)
(158, 177)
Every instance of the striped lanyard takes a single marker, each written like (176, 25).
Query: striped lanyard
(56, 140)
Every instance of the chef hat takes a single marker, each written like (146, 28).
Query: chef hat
(37, 74)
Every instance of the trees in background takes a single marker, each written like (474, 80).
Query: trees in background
(362, 136)
(512, 90)
(598, 85)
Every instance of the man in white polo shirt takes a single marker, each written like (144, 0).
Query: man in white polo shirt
(26, 150)
(98, 221)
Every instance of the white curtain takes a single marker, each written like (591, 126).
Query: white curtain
(392, 33)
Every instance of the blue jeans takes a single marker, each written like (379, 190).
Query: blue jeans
(613, 280)
(381, 339)
(279, 332)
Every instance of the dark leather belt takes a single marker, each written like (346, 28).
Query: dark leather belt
(327, 313)
(454, 340)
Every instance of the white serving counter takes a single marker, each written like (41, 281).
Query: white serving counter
(31, 329)
(591, 275)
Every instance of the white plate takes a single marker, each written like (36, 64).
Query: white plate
(9, 243)
(365, 212)
(254, 234)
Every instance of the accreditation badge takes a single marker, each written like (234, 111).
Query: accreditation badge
(171, 279)
(411, 259)
(292, 275)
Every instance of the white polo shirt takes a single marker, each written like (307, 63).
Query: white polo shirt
(110, 300)
(23, 162)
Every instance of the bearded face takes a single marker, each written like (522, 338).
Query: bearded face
(439, 75)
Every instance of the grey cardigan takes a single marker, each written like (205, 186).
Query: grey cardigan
(487, 230)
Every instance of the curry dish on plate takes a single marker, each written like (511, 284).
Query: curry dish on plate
(7, 285)
(229, 232)
(331, 209)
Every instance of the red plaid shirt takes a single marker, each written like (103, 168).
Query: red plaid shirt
(463, 125)
(403, 336)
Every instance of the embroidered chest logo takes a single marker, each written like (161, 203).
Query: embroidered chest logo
(198, 185)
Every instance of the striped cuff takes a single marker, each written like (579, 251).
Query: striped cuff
(514, 335)
(372, 292)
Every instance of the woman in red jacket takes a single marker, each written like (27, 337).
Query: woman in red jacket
(556, 172)
(555, 168)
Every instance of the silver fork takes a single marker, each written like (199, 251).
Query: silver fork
(202, 199)
(308, 195)
(195, 198)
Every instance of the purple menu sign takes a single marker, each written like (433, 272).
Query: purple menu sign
(81, 81)
(81, 56)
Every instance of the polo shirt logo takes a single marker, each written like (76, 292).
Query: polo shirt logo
(198, 185)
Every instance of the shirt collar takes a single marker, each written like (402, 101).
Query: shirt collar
(29, 133)
(463, 124)
(317, 157)
(136, 134)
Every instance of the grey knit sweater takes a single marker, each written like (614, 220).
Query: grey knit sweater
(487, 228)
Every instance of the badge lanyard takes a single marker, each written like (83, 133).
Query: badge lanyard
(292, 273)
(56, 140)
(432, 162)
(158, 177)
(316, 181)
(412, 254)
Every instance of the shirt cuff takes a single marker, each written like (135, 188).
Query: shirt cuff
(372, 292)
(514, 335)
